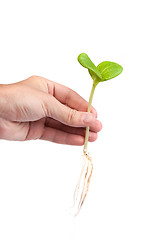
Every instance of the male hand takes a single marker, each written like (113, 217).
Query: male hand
(38, 108)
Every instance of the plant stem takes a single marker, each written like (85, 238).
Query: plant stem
(89, 108)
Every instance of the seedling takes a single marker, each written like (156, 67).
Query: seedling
(103, 72)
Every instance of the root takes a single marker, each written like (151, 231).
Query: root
(83, 183)
(79, 182)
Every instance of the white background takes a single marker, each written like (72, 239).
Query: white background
(37, 178)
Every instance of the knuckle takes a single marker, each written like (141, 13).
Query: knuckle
(68, 96)
(33, 77)
(71, 116)
(46, 107)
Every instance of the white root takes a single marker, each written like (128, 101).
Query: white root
(83, 183)
(76, 192)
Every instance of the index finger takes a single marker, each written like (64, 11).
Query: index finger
(71, 98)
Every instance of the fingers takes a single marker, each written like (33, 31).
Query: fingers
(58, 136)
(72, 99)
(97, 126)
(71, 117)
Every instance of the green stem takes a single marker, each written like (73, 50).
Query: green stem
(89, 108)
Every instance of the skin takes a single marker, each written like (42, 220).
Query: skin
(37, 108)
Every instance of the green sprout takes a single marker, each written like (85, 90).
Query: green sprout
(104, 71)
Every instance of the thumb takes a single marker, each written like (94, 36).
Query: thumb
(67, 115)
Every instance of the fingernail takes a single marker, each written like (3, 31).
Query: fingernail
(87, 118)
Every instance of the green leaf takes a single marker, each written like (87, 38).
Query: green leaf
(86, 62)
(109, 70)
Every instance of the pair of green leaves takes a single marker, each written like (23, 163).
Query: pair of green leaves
(104, 71)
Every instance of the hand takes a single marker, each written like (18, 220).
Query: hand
(37, 108)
